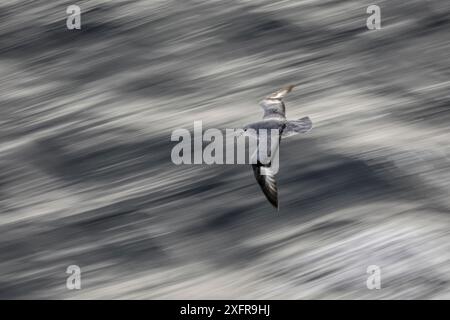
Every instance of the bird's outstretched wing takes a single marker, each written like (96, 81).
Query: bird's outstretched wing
(273, 105)
(267, 182)
(294, 127)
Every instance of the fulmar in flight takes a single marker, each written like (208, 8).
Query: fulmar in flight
(275, 118)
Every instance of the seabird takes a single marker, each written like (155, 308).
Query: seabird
(275, 118)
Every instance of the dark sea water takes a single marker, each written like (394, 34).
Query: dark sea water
(86, 176)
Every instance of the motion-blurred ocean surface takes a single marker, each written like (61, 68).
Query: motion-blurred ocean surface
(86, 176)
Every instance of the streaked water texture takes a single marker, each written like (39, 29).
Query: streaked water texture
(85, 170)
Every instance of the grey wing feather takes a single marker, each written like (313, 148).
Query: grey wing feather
(273, 104)
(267, 182)
(294, 127)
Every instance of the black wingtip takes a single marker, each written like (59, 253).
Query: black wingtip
(273, 202)
(270, 196)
